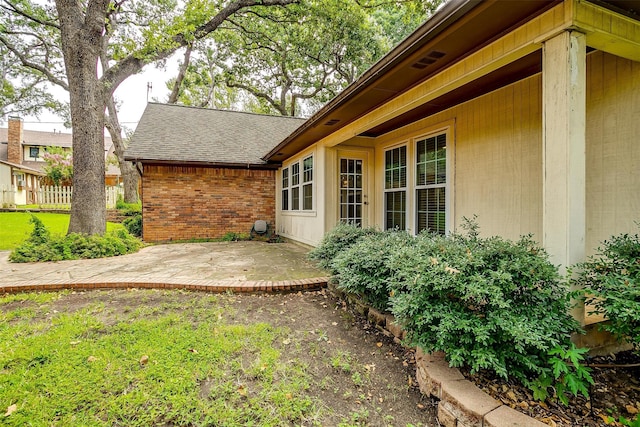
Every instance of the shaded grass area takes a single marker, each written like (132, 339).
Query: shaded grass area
(15, 226)
(151, 364)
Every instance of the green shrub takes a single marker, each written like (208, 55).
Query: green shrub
(488, 303)
(611, 284)
(335, 242)
(565, 375)
(41, 246)
(363, 268)
(133, 224)
(235, 237)
(128, 209)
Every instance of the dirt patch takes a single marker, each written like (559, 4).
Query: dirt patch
(358, 375)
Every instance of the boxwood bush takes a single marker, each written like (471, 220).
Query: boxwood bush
(336, 241)
(42, 246)
(488, 303)
(364, 267)
(611, 285)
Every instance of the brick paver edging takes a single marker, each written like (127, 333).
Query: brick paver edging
(461, 403)
(215, 286)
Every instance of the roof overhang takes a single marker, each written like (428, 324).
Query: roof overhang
(477, 39)
(260, 166)
(23, 169)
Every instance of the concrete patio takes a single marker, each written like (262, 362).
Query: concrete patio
(215, 266)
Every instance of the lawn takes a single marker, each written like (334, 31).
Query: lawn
(15, 226)
(172, 358)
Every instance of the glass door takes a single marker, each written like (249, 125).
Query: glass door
(351, 197)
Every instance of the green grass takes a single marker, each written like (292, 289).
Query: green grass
(15, 226)
(84, 367)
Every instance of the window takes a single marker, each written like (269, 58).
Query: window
(307, 183)
(431, 181)
(34, 152)
(395, 188)
(285, 189)
(295, 186)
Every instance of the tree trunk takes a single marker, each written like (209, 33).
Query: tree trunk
(81, 39)
(128, 171)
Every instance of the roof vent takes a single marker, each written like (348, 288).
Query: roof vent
(332, 122)
(428, 60)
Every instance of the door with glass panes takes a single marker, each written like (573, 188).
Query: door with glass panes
(351, 187)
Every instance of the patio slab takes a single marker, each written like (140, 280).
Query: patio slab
(224, 265)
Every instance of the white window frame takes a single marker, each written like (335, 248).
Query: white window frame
(418, 187)
(307, 182)
(285, 191)
(397, 189)
(298, 178)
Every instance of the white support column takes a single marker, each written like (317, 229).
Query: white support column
(563, 141)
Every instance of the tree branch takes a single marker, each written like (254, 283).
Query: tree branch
(13, 8)
(26, 63)
(132, 64)
(173, 98)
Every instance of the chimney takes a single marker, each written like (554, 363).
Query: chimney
(14, 139)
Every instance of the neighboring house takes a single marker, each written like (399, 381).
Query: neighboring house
(26, 148)
(524, 113)
(202, 171)
(18, 184)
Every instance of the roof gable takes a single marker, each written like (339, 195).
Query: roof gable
(189, 135)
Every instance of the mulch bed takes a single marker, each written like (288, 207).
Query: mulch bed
(616, 393)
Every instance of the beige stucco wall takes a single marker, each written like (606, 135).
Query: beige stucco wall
(613, 147)
(305, 226)
(497, 140)
(497, 173)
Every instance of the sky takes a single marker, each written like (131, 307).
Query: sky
(131, 96)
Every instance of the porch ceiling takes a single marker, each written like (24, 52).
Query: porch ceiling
(459, 29)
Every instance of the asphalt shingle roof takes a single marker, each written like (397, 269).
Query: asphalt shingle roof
(174, 133)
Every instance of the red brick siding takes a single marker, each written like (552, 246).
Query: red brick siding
(180, 203)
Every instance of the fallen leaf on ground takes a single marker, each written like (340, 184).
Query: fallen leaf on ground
(144, 360)
(631, 409)
(242, 391)
(11, 409)
(379, 344)
(91, 359)
(74, 342)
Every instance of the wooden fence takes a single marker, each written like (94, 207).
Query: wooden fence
(7, 196)
(52, 197)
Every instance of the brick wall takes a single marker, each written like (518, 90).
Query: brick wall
(14, 139)
(182, 203)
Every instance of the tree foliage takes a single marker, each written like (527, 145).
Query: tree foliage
(291, 61)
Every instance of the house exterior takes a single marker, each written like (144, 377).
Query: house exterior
(25, 149)
(202, 170)
(522, 113)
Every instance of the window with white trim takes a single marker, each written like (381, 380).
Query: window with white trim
(285, 189)
(431, 182)
(295, 186)
(297, 190)
(395, 188)
(307, 184)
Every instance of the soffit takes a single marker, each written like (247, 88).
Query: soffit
(453, 39)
